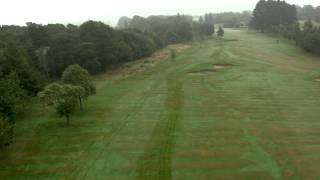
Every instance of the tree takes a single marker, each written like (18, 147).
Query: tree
(77, 76)
(38, 34)
(62, 97)
(124, 52)
(139, 45)
(65, 107)
(140, 23)
(220, 32)
(11, 101)
(88, 58)
(268, 14)
(51, 94)
(13, 59)
(104, 38)
(201, 20)
(228, 19)
(309, 38)
(308, 12)
(11, 96)
(308, 26)
(68, 100)
(210, 29)
(317, 14)
(62, 52)
(202, 29)
(124, 23)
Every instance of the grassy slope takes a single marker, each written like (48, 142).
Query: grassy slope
(259, 118)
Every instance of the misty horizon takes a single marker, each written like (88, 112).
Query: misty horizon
(77, 12)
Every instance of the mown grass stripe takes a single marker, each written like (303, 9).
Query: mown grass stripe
(156, 161)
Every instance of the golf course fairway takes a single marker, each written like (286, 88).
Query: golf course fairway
(243, 107)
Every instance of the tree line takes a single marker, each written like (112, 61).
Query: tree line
(228, 19)
(309, 12)
(280, 18)
(173, 29)
(31, 56)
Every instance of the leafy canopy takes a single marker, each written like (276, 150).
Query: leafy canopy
(77, 76)
(63, 97)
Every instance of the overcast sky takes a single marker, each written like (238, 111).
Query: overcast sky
(76, 11)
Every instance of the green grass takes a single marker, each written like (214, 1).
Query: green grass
(258, 119)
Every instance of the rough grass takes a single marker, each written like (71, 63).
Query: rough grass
(256, 119)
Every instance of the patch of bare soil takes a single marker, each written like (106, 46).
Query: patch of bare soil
(201, 72)
(165, 53)
(140, 65)
(221, 66)
(317, 79)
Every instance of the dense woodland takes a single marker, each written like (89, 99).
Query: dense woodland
(308, 12)
(281, 18)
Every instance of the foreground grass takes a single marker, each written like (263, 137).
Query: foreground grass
(258, 118)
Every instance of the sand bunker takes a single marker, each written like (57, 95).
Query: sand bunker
(221, 66)
(317, 79)
(201, 72)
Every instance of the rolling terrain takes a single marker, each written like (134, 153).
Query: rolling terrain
(241, 107)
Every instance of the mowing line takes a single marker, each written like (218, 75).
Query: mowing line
(156, 161)
(263, 161)
(123, 123)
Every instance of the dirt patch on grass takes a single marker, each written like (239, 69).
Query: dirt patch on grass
(221, 66)
(125, 70)
(201, 72)
(317, 79)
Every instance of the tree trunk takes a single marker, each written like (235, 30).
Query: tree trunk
(80, 102)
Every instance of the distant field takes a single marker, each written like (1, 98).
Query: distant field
(241, 108)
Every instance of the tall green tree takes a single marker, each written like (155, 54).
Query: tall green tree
(65, 107)
(140, 23)
(38, 34)
(220, 32)
(11, 101)
(63, 98)
(62, 52)
(317, 14)
(124, 23)
(273, 13)
(14, 60)
(104, 38)
(307, 12)
(208, 29)
(88, 57)
(77, 76)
